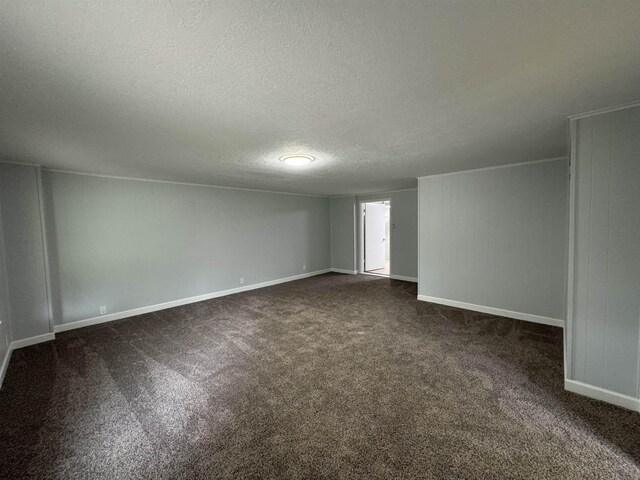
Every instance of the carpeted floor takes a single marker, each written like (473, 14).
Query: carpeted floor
(334, 376)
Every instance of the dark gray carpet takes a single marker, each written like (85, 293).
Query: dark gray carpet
(330, 377)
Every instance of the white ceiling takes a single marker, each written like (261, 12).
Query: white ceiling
(379, 91)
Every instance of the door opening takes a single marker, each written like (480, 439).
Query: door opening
(377, 236)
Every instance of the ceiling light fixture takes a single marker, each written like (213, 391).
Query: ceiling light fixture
(297, 160)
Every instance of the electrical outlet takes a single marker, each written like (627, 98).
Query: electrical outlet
(103, 309)
(304, 267)
(241, 280)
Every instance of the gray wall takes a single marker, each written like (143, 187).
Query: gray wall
(404, 237)
(605, 324)
(128, 244)
(343, 231)
(346, 244)
(19, 198)
(5, 314)
(497, 238)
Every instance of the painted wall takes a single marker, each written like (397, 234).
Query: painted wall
(127, 244)
(25, 264)
(604, 328)
(343, 231)
(496, 238)
(404, 234)
(5, 314)
(346, 245)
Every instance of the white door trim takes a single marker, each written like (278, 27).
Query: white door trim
(360, 229)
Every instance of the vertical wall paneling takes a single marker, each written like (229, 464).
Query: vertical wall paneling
(128, 244)
(25, 250)
(603, 347)
(343, 233)
(495, 240)
(5, 309)
(345, 228)
(45, 246)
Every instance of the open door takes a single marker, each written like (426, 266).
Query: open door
(374, 237)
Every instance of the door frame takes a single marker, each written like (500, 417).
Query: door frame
(360, 219)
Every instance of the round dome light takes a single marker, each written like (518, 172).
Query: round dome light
(297, 160)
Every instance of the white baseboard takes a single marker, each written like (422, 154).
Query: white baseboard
(5, 364)
(176, 303)
(341, 270)
(405, 279)
(25, 342)
(602, 394)
(138, 311)
(556, 322)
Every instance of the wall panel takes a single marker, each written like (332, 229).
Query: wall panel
(604, 349)
(343, 231)
(127, 244)
(497, 238)
(24, 247)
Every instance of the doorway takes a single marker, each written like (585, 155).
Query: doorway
(376, 243)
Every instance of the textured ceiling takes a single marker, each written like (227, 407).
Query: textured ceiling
(380, 92)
